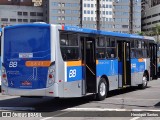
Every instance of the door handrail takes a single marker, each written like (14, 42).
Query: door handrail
(90, 69)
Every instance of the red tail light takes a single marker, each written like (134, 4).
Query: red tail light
(50, 92)
(4, 75)
(50, 76)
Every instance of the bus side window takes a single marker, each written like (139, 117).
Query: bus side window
(111, 53)
(100, 51)
(69, 46)
(133, 53)
(139, 53)
(144, 53)
(110, 48)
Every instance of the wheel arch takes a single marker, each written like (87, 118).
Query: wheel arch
(107, 81)
(146, 73)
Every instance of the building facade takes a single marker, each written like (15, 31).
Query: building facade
(16, 2)
(89, 14)
(66, 12)
(19, 12)
(114, 14)
(150, 15)
(126, 16)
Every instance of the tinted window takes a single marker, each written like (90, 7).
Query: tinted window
(111, 48)
(69, 46)
(27, 39)
(106, 48)
(100, 51)
(111, 52)
(139, 49)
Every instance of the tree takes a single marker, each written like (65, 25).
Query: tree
(156, 32)
(141, 33)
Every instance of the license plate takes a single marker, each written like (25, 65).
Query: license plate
(26, 83)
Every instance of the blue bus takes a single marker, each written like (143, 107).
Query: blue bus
(0, 53)
(66, 61)
(158, 59)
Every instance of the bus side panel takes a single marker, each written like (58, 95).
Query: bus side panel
(108, 68)
(113, 82)
(67, 86)
(137, 70)
(60, 65)
(120, 81)
(73, 89)
(0, 70)
(147, 66)
(134, 78)
(73, 79)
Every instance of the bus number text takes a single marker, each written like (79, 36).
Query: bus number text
(72, 73)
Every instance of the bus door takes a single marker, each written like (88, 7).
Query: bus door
(124, 63)
(89, 65)
(153, 60)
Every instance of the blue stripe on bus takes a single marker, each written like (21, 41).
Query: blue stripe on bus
(107, 67)
(137, 66)
(0, 56)
(27, 25)
(91, 31)
(104, 67)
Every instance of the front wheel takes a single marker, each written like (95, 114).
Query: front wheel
(102, 89)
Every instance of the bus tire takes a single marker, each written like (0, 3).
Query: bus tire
(144, 82)
(102, 89)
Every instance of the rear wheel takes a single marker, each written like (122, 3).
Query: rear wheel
(144, 82)
(102, 89)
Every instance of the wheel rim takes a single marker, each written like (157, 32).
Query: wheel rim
(144, 81)
(102, 89)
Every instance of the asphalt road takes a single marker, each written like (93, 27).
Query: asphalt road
(129, 103)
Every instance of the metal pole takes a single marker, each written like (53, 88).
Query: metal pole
(81, 13)
(98, 14)
(131, 17)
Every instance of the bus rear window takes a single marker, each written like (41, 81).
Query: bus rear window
(27, 39)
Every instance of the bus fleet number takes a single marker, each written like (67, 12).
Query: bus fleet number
(72, 73)
(13, 64)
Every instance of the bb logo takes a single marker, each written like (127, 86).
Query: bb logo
(72, 73)
(13, 64)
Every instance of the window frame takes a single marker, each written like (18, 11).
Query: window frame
(70, 46)
(139, 49)
(105, 47)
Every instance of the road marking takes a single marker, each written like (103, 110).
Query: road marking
(17, 108)
(61, 114)
(55, 115)
(93, 109)
(133, 99)
(96, 109)
(46, 118)
(135, 118)
(108, 109)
